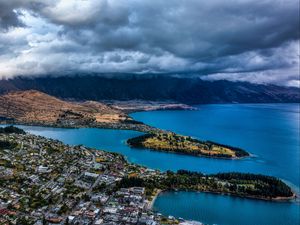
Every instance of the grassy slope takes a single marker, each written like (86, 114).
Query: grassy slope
(171, 142)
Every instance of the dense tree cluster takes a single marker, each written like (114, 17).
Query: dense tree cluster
(138, 141)
(247, 185)
(132, 182)
(11, 130)
(263, 185)
(7, 145)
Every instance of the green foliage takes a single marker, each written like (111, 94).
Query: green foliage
(238, 151)
(232, 183)
(6, 163)
(63, 209)
(24, 221)
(261, 184)
(131, 182)
(171, 142)
(11, 130)
(7, 144)
(138, 141)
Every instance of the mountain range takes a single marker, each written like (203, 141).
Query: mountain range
(152, 88)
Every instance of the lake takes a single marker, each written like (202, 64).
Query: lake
(270, 132)
(226, 210)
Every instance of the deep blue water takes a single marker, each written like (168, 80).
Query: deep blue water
(226, 210)
(268, 131)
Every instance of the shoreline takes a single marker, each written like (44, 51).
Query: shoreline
(139, 143)
(278, 199)
(158, 191)
(193, 155)
(154, 197)
(141, 127)
(133, 106)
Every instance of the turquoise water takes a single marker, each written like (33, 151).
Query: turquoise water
(269, 131)
(226, 210)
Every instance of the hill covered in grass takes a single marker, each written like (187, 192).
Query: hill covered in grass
(171, 142)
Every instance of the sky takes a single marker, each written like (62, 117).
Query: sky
(244, 40)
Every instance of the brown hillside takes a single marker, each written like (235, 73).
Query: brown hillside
(37, 107)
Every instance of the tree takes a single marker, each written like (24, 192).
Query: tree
(67, 221)
(44, 220)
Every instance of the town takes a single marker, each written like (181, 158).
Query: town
(43, 181)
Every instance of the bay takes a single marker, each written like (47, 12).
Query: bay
(226, 210)
(270, 132)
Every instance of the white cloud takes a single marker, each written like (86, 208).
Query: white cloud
(236, 40)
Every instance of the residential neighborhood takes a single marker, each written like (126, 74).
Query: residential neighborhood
(44, 181)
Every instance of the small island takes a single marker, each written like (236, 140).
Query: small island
(171, 142)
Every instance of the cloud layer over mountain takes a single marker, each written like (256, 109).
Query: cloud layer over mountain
(250, 40)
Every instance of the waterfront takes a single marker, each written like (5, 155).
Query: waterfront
(269, 131)
(226, 210)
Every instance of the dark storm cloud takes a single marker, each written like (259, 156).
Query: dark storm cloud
(197, 30)
(10, 14)
(8, 17)
(220, 38)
